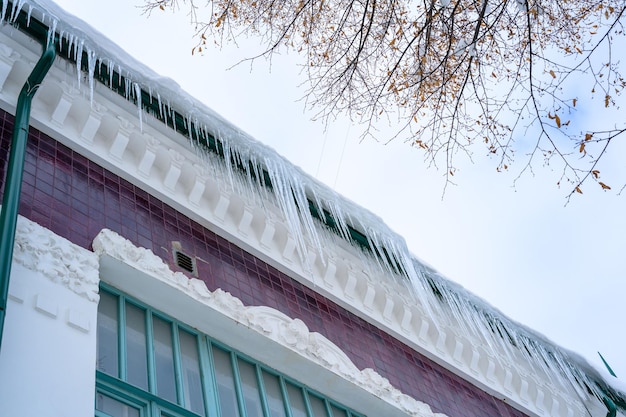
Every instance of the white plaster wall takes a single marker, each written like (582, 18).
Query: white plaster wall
(48, 353)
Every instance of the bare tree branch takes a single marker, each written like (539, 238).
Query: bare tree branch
(451, 76)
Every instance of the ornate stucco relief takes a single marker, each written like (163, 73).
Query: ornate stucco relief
(58, 259)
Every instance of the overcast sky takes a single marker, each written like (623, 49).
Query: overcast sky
(555, 268)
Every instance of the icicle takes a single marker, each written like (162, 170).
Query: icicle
(193, 134)
(110, 69)
(160, 104)
(17, 7)
(30, 13)
(62, 35)
(285, 195)
(340, 217)
(4, 10)
(196, 141)
(127, 88)
(91, 67)
(236, 162)
(172, 114)
(257, 173)
(137, 89)
(78, 56)
(70, 43)
(455, 310)
(51, 32)
(188, 126)
(227, 159)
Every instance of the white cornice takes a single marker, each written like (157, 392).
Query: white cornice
(158, 160)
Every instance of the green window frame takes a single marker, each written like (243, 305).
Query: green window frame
(151, 365)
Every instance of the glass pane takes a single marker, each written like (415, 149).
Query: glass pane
(136, 357)
(296, 400)
(114, 408)
(225, 383)
(250, 387)
(191, 372)
(107, 359)
(164, 359)
(317, 406)
(274, 395)
(337, 412)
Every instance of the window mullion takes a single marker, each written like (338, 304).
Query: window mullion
(283, 391)
(209, 384)
(154, 410)
(307, 403)
(238, 390)
(262, 392)
(121, 341)
(178, 374)
(152, 386)
(329, 411)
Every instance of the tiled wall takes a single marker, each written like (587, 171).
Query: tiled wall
(76, 198)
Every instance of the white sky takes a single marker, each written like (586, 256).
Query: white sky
(557, 269)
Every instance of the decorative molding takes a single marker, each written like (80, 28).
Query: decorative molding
(272, 324)
(58, 259)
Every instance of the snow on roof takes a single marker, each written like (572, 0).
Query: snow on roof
(295, 189)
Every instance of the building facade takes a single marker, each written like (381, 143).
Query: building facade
(165, 264)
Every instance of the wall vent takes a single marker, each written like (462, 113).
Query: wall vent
(183, 260)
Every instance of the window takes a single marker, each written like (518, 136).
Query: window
(149, 365)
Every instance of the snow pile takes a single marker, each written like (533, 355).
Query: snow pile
(295, 191)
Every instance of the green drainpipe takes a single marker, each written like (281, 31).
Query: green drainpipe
(15, 171)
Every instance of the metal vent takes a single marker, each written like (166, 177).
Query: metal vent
(183, 260)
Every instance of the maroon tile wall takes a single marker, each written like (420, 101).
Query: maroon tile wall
(76, 198)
